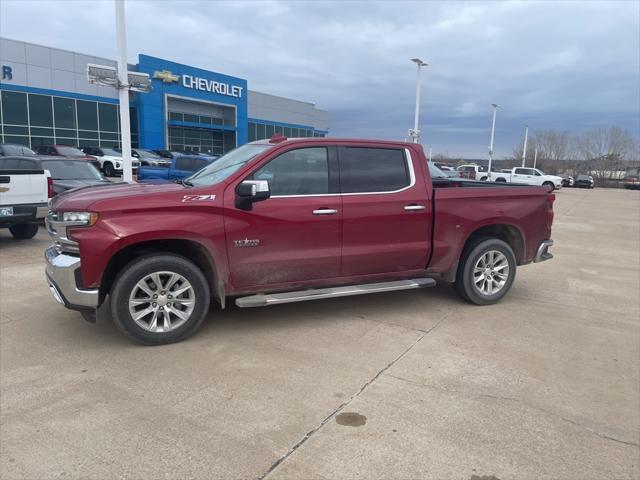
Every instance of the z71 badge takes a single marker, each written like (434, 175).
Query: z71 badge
(198, 198)
(247, 243)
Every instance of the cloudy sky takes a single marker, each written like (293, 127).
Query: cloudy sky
(571, 65)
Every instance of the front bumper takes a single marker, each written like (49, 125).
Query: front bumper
(62, 271)
(542, 254)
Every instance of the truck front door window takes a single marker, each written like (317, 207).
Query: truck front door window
(303, 171)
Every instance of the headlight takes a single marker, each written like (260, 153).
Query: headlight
(80, 218)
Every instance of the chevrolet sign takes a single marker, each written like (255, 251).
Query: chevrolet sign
(212, 86)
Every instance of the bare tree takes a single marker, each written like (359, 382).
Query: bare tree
(605, 151)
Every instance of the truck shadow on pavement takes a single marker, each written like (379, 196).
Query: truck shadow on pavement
(412, 309)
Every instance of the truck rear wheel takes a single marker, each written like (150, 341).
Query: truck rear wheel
(486, 271)
(159, 298)
(23, 231)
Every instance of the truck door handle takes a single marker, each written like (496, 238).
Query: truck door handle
(5, 179)
(411, 208)
(325, 211)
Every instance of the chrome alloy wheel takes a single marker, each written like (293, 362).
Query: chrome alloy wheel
(161, 301)
(491, 272)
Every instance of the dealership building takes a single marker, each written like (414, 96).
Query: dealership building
(46, 99)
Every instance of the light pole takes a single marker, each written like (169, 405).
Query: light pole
(123, 93)
(535, 157)
(430, 150)
(493, 130)
(524, 150)
(124, 81)
(415, 133)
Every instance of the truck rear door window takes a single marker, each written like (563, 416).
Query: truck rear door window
(303, 171)
(372, 170)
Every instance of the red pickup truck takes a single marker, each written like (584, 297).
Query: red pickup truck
(285, 220)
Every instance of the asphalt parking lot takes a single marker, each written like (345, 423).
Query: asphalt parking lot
(412, 384)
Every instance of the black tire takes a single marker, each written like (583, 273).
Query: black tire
(464, 283)
(23, 231)
(130, 275)
(550, 185)
(501, 180)
(108, 169)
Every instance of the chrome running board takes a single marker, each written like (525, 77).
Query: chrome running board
(263, 300)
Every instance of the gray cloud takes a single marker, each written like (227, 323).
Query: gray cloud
(566, 65)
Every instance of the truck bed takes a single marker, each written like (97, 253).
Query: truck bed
(464, 206)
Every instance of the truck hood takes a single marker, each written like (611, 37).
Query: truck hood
(64, 185)
(124, 194)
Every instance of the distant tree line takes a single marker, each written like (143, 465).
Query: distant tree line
(608, 154)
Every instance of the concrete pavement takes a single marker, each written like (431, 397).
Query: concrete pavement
(412, 384)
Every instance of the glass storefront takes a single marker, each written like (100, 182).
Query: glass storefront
(205, 140)
(262, 130)
(34, 119)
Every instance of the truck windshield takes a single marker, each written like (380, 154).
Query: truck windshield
(227, 164)
(72, 170)
(111, 152)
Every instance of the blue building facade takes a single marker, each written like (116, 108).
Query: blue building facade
(46, 98)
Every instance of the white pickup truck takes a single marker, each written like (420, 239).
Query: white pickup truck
(472, 172)
(527, 176)
(24, 196)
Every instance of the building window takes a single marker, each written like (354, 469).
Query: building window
(64, 112)
(108, 117)
(14, 108)
(87, 115)
(40, 110)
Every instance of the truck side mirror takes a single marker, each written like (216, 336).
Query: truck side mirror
(250, 191)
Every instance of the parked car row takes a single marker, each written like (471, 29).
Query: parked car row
(578, 181)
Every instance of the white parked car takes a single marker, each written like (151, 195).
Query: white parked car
(110, 160)
(24, 196)
(528, 176)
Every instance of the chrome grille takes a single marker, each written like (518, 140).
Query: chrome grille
(58, 231)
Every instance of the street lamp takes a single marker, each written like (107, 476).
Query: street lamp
(493, 131)
(415, 132)
(124, 81)
(524, 150)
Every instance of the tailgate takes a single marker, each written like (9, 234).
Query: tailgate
(23, 187)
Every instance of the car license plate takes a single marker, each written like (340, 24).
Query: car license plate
(6, 211)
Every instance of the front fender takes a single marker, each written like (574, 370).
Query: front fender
(112, 234)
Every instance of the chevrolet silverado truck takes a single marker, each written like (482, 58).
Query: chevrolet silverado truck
(288, 220)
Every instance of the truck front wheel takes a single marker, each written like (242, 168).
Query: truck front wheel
(159, 299)
(486, 271)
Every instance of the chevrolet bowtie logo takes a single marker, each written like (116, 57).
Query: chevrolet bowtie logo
(166, 76)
